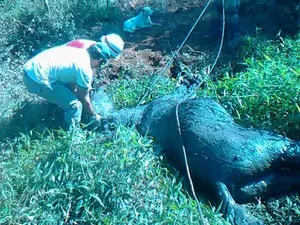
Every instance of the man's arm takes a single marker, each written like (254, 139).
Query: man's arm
(84, 98)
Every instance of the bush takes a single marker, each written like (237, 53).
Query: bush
(32, 25)
(266, 95)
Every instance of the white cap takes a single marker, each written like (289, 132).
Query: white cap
(114, 43)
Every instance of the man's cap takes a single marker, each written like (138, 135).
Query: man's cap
(115, 44)
(103, 50)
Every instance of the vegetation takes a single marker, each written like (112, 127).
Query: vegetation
(92, 178)
(267, 94)
(28, 25)
(145, 90)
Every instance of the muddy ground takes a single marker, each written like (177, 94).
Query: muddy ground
(148, 50)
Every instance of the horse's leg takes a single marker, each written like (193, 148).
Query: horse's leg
(271, 184)
(236, 214)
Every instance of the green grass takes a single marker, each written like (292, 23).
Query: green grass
(92, 179)
(267, 94)
(131, 92)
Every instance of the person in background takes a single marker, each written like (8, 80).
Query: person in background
(63, 75)
(232, 21)
(113, 41)
(232, 27)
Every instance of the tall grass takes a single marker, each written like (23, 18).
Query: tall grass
(90, 178)
(267, 94)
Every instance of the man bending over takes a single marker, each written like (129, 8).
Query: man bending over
(63, 75)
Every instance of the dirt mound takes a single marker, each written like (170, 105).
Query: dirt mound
(147, 50)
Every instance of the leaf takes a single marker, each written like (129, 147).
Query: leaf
(238, 114)
(50, 170)
(294, 71)
(297, 107)
(174, 207)
(97, 199)
(267, 57)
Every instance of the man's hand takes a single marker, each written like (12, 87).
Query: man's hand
(97, 122)
(97, 117)
(93, 122)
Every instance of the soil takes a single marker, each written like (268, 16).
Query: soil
(147, 51)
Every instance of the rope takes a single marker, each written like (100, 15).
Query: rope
(174, 54)
(216, 59)
(178, 121)
(202, 221)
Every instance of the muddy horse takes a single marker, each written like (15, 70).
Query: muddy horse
(239, 164)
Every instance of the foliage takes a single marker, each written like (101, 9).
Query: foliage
(267, 94)
(32, 25)
(30, 22)
(89, 178)
(129, 92)
(284, 210)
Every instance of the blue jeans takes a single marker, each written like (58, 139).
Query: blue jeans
(59, 94)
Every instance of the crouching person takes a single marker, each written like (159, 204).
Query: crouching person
(63, 75)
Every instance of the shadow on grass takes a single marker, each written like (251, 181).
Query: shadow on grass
(31, 117)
